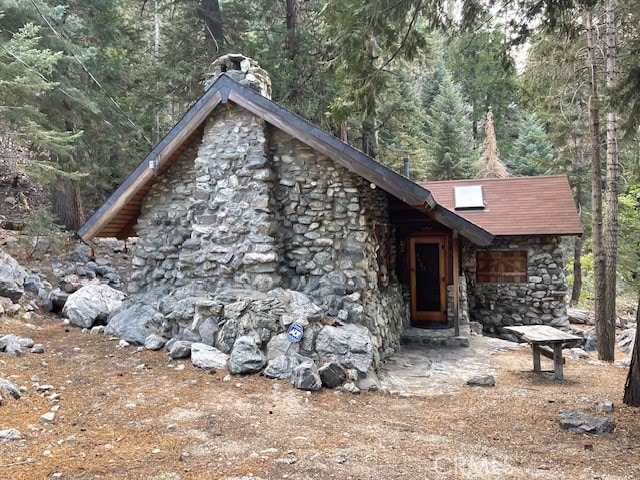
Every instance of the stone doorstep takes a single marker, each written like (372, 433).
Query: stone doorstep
(443, 337)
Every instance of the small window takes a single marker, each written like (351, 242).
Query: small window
(500, 266)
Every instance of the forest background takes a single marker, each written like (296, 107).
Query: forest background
(461, 89)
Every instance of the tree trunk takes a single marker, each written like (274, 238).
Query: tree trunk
(576, 289)
(632, 386)
(213, 31)
(611, 192)
(604, 337)
(67, 204)
(293, 22)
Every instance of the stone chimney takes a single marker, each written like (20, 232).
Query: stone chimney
(243, 70)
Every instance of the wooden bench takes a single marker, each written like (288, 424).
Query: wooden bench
(546, 341)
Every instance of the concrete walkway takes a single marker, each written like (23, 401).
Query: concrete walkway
(424, 371)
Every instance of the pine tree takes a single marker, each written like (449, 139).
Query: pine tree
(532, 153)
(449, 143)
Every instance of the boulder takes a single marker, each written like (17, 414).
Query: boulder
(349, 345)
(246, 357)
(9, 388)
(154, 342)
(208, 357)
(12, 277)
(11, 344)
(626, 340)
(55, 300)
(577, 421)
(280, 345)
(305, 377)
(179, 349)
(125, 318)
(136, 334)
(281, 367)
(332, 375)
(482, 381)
(90, 304)
(33, 283)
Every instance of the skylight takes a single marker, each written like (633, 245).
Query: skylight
(468, 197)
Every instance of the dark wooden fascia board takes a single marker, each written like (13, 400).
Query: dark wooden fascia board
(191, 120)
(467, 229)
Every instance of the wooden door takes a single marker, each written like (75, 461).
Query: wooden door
(428, 280)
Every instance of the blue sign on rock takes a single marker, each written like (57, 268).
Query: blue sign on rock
(295, 332)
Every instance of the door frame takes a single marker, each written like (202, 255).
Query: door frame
(428, 317)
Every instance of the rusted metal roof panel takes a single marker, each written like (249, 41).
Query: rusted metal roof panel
(542, 205)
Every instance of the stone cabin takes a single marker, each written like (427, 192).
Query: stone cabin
(249, 218)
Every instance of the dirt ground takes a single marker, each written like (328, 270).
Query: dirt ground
(124, 413)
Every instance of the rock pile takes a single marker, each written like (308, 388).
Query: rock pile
(241, 331)
(247, 332)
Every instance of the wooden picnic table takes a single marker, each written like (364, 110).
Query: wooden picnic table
(547, 341)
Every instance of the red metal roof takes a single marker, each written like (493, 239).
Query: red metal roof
(516, 205)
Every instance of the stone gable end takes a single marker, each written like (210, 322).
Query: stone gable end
(253, 209)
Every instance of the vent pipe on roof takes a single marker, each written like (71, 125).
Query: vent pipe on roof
(243, 70)
(405, 168)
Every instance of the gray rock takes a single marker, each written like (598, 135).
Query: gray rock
(208, 357)
(26, 342)
(590, 340)
(33, 283)
(136, 334)
(246, 357)
(577, 421)
(208, 330)
(179, 349)
(281, 367)
(227, 335)
(154, 342)
(626, 340)
(10, 434)
(55, 300)
(9, 388)
(349, 345)
(332, 375)
(576, 352)
(606, 406)
(305, 377)
(482, 381)
(280, 345)
(368, 383)
(37, 348)
(12, 277)
(137, 314)
(48, 417)
(92, 303)
(302, 306)
(351, 387)
(11, 344)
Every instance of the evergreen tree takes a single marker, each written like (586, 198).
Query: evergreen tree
(480, 61)
(532, 153)
(449, 145)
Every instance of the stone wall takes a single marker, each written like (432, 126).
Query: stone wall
(252, 210)
(541, 300)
